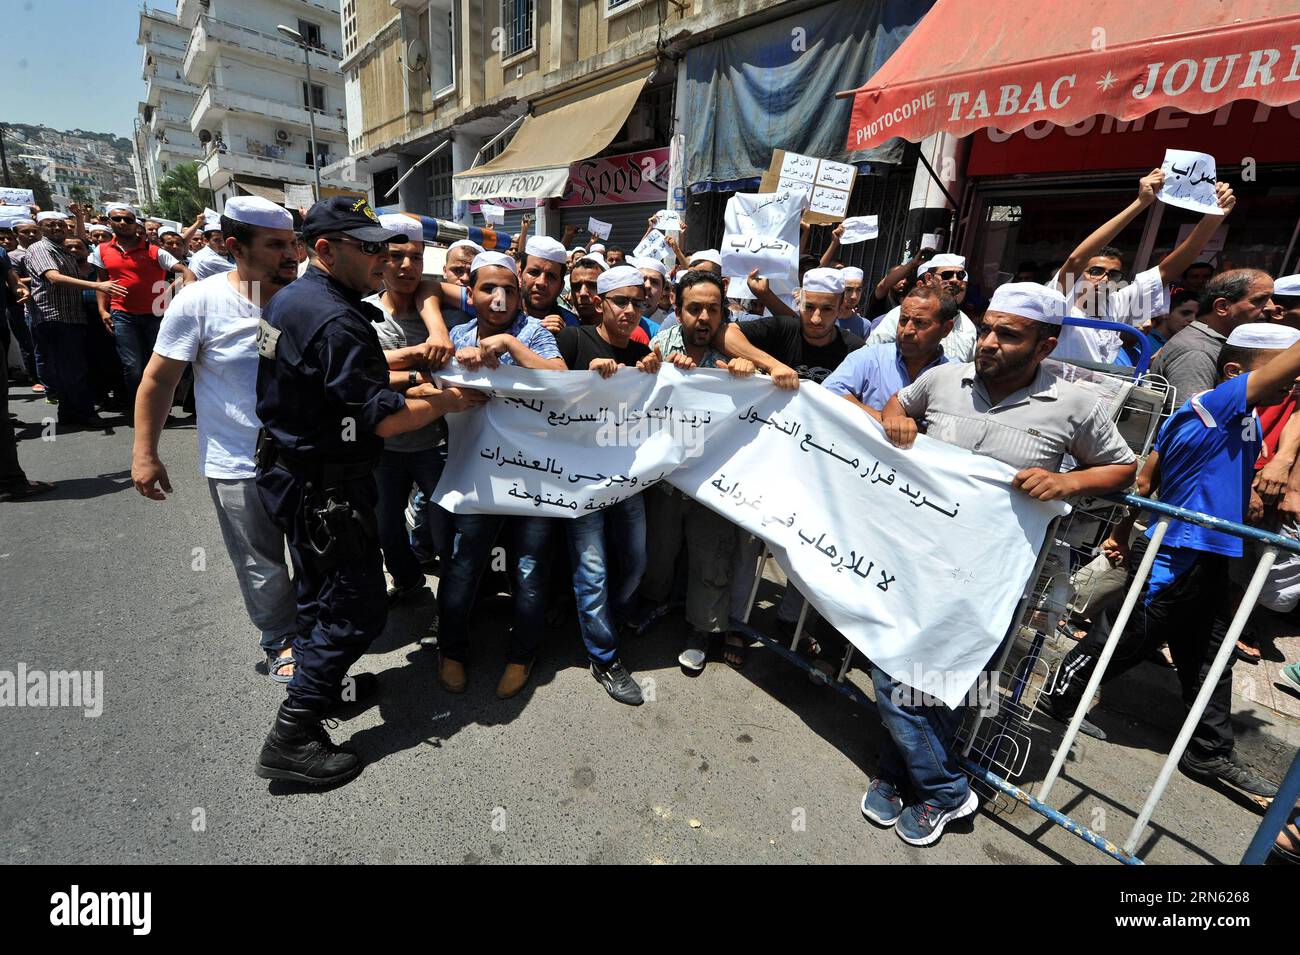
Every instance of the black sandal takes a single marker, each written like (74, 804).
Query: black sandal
(734, 654)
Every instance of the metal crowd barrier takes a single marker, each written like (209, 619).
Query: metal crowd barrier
(1274, 819)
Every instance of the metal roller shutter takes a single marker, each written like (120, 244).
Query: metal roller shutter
(627, 218)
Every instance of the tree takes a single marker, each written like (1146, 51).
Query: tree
(22, 177)
(180, 196)
(81, 194)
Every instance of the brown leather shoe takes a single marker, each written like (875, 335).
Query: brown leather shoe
(513, 679)
(452, 675)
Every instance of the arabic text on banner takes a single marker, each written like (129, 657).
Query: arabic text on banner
(918, 557)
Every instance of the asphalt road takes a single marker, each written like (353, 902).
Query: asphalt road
(752, 766)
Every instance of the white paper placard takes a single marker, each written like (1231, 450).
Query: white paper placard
(932, 241)
(666, 220)
(655, 246)
(598, 228)
(830, 202)
(799, 168)
(16, 197)
(1189, 181)
(298, 196)
(836, 175)
(741, 254)
(860, 229)
(493, 214)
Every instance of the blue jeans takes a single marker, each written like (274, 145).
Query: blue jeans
(135, 334)
(62, 350)
(604, 588)
(921, 748)
(396, 472)
(472, 541)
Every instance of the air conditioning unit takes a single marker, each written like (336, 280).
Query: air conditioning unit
(282, 136)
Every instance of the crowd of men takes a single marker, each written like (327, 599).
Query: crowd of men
(310, 343)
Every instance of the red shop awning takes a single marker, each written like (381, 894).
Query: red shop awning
(976, 63)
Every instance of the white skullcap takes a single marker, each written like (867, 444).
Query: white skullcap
(1269, 335)
(1287, 285)
(499, 259)
(649, 262)
(100, 227)
(254, 210)
(943, 260)
(46, 216)
(6, 223)
(117, 207)
(851, 273)
(463, 244)
(396, 222)
(1030, 300)
(581, 248)
(544, 247)
(706, 255)
(593, 259)
(620, 276)
(824, 280)
(596, 247)
(165, 230)
(22, 221)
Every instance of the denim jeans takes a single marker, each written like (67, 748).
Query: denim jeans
(256, 548)
(921, 748)
(62, 352)
(608, 553)
(396, 472)
(473, 537)
(135, 334)
(17, 321)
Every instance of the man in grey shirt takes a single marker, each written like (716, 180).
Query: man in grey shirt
(1005, 406)
(1189, 359)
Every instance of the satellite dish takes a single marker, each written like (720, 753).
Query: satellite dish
(417, 54)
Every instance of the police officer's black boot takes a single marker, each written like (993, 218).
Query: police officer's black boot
(299, 750)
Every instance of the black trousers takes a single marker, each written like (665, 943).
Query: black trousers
(342, 599)
(1191, 614)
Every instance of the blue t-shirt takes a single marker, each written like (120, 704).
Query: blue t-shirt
(856, 324)
(570, 318)
(528, 330)
(873, 374)
(1208, 449)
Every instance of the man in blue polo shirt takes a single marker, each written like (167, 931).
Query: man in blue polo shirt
(872, 375)
(1204, 461)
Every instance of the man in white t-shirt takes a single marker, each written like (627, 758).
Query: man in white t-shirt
(214, 258)
(212, 324)
(945, 273)
(1092, 278)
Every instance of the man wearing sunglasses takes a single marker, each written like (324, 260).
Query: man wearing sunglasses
(605, 589)
(143, 269)
(944, 273)
(326, 405)
(1094, 281)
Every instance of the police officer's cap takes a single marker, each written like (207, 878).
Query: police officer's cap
(350, 215)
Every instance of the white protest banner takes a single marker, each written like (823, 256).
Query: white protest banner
(860, 229)
(298, 196)
(666, 220)
(919, 557)
(598, 228)
(655, 246)
(15, 212)
(1189, 181)
(10, 196)
(169, 222)
(492, 214)
(828, 202)
(742, 254)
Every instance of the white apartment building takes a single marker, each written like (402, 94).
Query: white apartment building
(242, 96)
(163, 137)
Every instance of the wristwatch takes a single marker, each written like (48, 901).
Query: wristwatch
(413, 378)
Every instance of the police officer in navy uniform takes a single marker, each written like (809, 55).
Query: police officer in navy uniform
(327, 399)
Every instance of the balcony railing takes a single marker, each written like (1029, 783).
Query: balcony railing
(239, 163)
(210, 31)
(215, 98)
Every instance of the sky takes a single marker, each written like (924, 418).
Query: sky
(78, 65)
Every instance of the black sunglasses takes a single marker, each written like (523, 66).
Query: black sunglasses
(949, 274)
(1096, 272)
(121, 218)
(368, 248)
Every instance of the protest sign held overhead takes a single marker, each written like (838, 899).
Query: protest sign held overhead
(493, 214)
(859, 229)
(666, 220)
(828, 185)
(16, 197)
(1189, 181)
(655, 246)
(599, 228)
(773, 258)
(298, 196)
